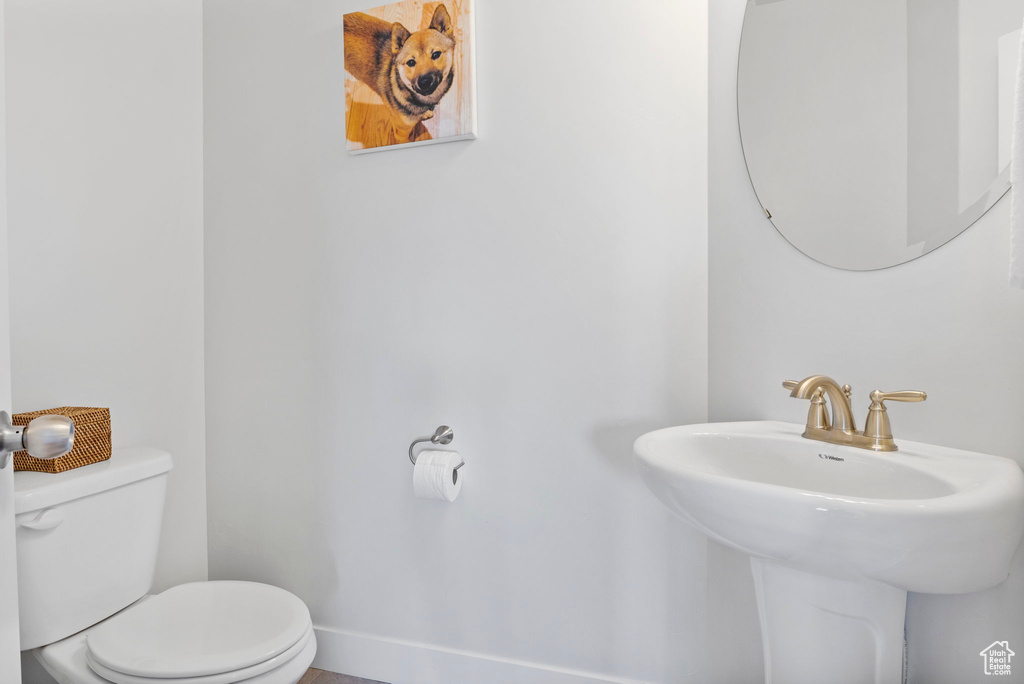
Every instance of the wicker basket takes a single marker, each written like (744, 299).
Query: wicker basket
(92, 439)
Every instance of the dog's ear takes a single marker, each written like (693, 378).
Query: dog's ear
(399, 34)
(442, 21)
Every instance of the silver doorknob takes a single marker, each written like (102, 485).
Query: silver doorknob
(47, 437)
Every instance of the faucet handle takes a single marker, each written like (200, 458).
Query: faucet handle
(905, 395)
(877, 426)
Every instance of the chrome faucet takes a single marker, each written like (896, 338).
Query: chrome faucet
(877, 433)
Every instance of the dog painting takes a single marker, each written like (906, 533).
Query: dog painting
(409, 75)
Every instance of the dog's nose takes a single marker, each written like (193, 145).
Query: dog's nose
(427, 83)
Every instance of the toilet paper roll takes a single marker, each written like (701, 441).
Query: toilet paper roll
(434, 476)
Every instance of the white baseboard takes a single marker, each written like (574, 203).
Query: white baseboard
(403, 662)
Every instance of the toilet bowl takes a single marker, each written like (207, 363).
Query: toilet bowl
(85, 614)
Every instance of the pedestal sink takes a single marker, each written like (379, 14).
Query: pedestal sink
(838, 535)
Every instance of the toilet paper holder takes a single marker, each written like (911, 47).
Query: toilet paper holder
(443, 435)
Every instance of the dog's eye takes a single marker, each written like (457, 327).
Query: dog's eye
(411, 63)
(437, 53)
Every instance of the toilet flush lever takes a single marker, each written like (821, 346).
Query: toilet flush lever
(46, 520)
(47, 437)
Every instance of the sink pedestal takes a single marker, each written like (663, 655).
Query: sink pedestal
(818, 629)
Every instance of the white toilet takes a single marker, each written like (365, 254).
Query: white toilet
(87, 542)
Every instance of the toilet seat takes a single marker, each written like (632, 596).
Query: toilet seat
(242, 675)
(201, 633)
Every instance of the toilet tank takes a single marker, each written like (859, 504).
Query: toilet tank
(87, 541)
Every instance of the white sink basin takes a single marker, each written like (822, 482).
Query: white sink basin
(823, 521)
(919, 518)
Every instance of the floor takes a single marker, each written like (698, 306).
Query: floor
(321, 677)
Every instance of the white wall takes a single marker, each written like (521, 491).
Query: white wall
(105, 190)
(946, 323)
(542, 290)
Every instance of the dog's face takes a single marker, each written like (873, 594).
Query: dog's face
(424, 59)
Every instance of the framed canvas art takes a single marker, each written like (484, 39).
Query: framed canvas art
(409, 75)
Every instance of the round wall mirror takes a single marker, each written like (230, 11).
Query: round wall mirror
(875, 131)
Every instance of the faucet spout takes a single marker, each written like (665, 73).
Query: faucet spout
(842, 413)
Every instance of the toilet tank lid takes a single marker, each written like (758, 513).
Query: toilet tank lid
(34, 491)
